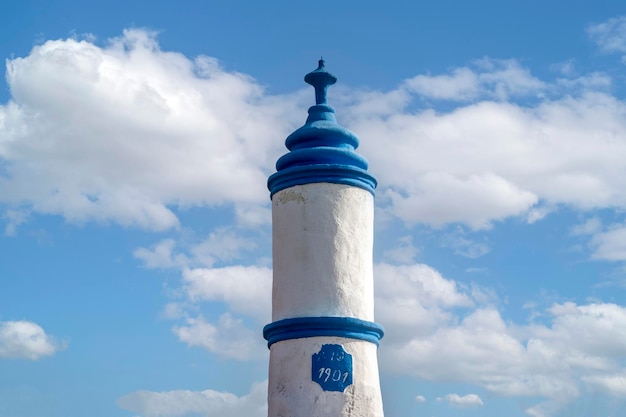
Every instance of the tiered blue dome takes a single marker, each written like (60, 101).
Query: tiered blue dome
(321, 150)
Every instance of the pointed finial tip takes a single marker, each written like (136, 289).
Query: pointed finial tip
(320, 79)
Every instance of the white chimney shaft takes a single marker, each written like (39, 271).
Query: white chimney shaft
(323, 340)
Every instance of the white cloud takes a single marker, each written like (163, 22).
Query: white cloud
(414, 298)
(473, 350)
(242, 293)
(464, 246)
(161, 255)
(420, 399)
(505, 78)
(229, 337)
(246, 289)
(436, 198)
(613, 384)
(126, 132)
(252, 216)
(370, 103)
(13, 219)
(594, 330)
(419, 282)
(610, 245)
(26, 340)
(245, 295)
(469, 400)
(493, 78)
(591, 82)
(460, 84)
(403, 252)
(222, 245)
(208, 403)
(606, 242)
(541, 410)
(610, 35)
(538, 212)
(566, 67)
(174, 311)
(589, 227)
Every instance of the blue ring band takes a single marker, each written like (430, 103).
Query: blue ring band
(301, 327)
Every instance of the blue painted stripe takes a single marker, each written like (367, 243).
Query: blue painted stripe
(301, 327)
(330, 173)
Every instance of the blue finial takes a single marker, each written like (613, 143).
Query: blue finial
(320, 79)
(321, 150)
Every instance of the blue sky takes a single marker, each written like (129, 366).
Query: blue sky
(135, 252)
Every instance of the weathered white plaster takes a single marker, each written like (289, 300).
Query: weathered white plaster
(322, 252)
(293, 393)
(322, 260)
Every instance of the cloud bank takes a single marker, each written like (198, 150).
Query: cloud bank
(206, 403)
(128, 133)
(469, 400)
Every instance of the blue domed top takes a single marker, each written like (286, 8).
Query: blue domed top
(321, 150)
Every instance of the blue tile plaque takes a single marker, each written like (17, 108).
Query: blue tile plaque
(332, 368)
